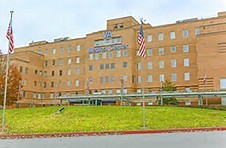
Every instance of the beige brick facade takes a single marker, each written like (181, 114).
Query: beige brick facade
(182, 52)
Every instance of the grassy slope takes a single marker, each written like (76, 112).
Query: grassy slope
(85, 118)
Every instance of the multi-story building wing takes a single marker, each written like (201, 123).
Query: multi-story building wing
(184, 52)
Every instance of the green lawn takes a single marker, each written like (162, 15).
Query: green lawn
(106, 118)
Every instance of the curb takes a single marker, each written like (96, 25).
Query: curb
(77, 134)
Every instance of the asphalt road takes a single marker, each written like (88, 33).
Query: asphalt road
(170, 140)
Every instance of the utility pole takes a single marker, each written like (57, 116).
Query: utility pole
(122, 86)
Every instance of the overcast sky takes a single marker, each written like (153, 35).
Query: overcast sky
(35, 20)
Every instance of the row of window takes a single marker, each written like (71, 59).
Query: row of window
(173, 49)
(61, 61)
(119, 53)
(185, 34)
(52, 84)
(62, 50)
(162, 64)
(110, 79)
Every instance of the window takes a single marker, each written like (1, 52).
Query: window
(47, 51)
(52, 72)
(54, 50)
(45, 63)
(45, 73)
(91, 56)
(39, 51)
(90, 67)
(172, 35)
(174, 63)
(174, 77)
(186, 61)
(121, 25)
(69, 61)
(124, 77)
(112, 78)
(125, 53)
(76, 83)
(25, 82)
(161, 51)
(112, 65)
(34, 95)
(161, 78)
(77, 60)
(186, 76)
(139, 91)
(104, 55)
(118, 91)
(223, 83)
(118, 53)
(187, 89)
(60, 72)
(21, 69)
(40, 72)
(61, 62)
(124, 64)
(107, 66)
(149, 78)
(185, 33)
(186, 48)
(26, 70)
(101, 79)
(149, 38)
(173, 49)
(61, 49)
(197, 31)
(115, 26)
(138, 79)
(39, 96)
(52, 84)
(101, 66)
(161, 64)
(149, 52)
(137, 54)
(36, 72)
(96, 56)
(90, 79)
(53, 62)
(69, 48)
(161, 36)
(35, 83)
(44, 84)
(78, 48)
(77, 71)
(110, 54)
(51, 95)
(69, 72)
(149, 65)
(138, 66)
(106, 79)
(68, 83)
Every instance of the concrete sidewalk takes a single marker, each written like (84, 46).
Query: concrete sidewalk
(124, 132)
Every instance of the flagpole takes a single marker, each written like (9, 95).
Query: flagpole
(6, 83)
(143, 108)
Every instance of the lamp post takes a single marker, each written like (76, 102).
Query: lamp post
(161, 93)
(122, 85)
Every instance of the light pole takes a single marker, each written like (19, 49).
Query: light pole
(122, 83)
(161, 93)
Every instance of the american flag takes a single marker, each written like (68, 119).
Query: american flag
(141, 42)
(9, 36)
